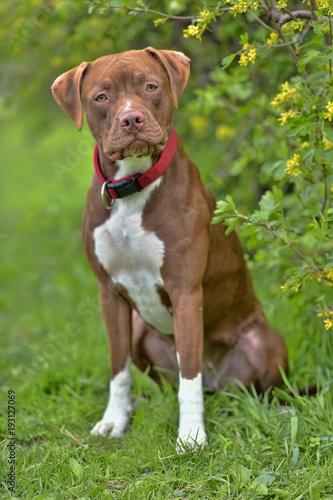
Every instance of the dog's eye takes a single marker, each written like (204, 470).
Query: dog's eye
(151, 87)
(101, 98)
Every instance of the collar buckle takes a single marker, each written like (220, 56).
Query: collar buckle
(125, 187)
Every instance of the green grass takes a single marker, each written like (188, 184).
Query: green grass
(55, 358)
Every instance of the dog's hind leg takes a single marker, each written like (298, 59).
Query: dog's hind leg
(255, 359)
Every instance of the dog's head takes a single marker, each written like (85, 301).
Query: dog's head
(128, 99)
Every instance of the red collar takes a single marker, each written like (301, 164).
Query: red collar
(133, 183)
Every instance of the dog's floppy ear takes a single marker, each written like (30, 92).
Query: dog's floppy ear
(66, 90)
(177, 67)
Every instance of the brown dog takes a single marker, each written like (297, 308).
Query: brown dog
(174, 290)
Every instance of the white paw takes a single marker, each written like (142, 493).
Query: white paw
(113, 427)
(191, 436)
(116, 416)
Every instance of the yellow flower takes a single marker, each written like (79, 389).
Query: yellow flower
(205, 13)
(297, 25)
(198, 123)
(243, 60)
(239, 8)
(288, 94)
(252, 54)
(281, 4)
(328, 323)
(327, 144)
(296, 286)
(224, 132)
(329, 114)
(191, 30)
(326, 5)
(285, 115)
(329, 273)
(56, 61)
(292, 166)
(248, 55)
(272, 40)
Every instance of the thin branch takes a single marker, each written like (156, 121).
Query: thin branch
(326, 190)
(264, 7)
(268, 45)
(287, 243)
(303, 14)
(303, 34)
(289, 48)
(293, 54)
(260, 21)
(150, 11)
(314, 5)
(330, 44)
(292, 15)
(300, 255)
(146, 11)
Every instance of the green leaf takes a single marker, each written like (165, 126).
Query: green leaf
(241, 473)
(309, 56)
(285, 397)
(277, 194)
(218, 219)
(140, 3)
(226, 61)
(313, 488)
(231, 225)
(266, 479)
(99, 489)
(295, 456)
(268, 205)
(259, 487)
(244, 38)
(92, 8)
(285, 380)
(329, 135)
(161, 20)
(231, 202)
(320, 28)
(76, 468)
(40, 497)
(293, 428)
(280, 493)
(222, 207)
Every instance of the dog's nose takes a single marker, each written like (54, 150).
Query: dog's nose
(132, 120)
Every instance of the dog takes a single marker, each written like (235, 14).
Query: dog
(175, 293)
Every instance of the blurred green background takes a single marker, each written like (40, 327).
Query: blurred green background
(47, 165)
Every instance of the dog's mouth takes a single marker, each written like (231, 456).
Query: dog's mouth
(137, 149)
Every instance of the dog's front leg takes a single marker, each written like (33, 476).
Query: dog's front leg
(188, 326)
(117, 317)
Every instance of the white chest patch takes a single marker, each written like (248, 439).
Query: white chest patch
(132, 256)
